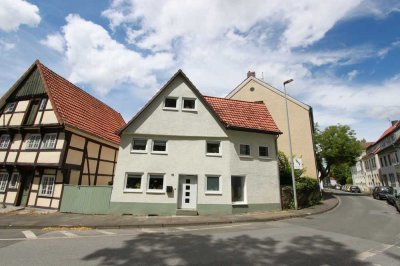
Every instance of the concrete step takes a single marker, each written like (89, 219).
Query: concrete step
(186, 212)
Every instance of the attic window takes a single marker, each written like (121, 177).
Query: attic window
(189, 104)
(170, 103)
(9, 108)
(252, 89)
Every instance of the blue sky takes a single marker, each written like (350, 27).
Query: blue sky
(344, 55)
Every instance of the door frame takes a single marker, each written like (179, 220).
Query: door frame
(26, 178)
(180, 191)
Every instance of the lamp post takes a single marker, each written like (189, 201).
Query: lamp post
(290, 144)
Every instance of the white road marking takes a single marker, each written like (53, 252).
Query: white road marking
(105, 232)
(68, 234)
(29, 234)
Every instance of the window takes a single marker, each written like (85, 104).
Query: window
(238, 189)
(139, 145)
(133, 182)
(213, 148)
(159, 146)
(47, 186)
(33, 141)
(244, 150)
(43, 103)
(263, 151)
(10, 108)
(156, 183)
(189, 104)
(384, 158)
(171, 103)
(49, 141)
(3, 181)
(213, 184)
(14, 180)
(4, 141)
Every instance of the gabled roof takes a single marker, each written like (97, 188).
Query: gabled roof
(243, 115)
(231, 114)
(389, 131)
(266, 85)
(74, 107)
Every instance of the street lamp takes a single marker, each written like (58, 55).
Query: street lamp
(290, 145)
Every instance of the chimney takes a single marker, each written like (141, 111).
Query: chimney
(251, 74)
(393, 122)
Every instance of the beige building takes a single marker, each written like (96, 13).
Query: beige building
(300, 114)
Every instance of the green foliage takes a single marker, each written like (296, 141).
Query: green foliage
(307, 184)
(285, 171)
(349, 180)
(341, 172)
(308, 193)
(335, 145)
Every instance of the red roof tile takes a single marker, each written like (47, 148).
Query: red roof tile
(243, 115)
(77, 108)
(389, 130)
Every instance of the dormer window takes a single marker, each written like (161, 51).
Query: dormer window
(171, 103)
(10, 108)
(189, 104)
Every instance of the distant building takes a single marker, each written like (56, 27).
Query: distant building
(300, 114)
(53, 133)
(365, 173)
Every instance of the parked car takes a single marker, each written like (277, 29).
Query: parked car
(338, 186)
(355, 189)
(397, 203)
(344, 187)
(391, 195)
(380, 192)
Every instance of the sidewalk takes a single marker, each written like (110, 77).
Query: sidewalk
(33, 220)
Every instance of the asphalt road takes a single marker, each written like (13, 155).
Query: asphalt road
(360, 231)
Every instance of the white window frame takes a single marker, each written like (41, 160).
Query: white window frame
(5, 141)
(10, 107)
(35, 143)
(261, 156)
(17, 177)
(44, 191)
(139, 151)
(133, 189)
(213, 192)
(244, 155)
(176, 108)
(46, 139)
(159, 152)
(244, 202)
(219, 154)
(189, 109)
(155, 191)
(3, 181)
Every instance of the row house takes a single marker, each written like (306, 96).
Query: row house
(185, 153)
(53, 133)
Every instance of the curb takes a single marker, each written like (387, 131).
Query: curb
(241, 219)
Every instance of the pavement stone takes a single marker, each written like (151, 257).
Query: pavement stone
(39, 220)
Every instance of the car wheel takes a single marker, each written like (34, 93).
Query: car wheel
(378, 197)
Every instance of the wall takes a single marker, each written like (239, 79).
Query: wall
(300, 124)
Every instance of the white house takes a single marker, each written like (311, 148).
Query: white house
(184, 152)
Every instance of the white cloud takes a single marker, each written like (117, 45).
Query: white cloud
(54, 41)
(14, 13)
(6, 46)
(103, 63)
(352, 74)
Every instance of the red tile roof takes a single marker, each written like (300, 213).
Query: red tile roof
(389, 130)
(243, 115)
(78, 109)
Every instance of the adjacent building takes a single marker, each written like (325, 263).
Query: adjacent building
(365, 173)
(301, 120)
(53, 133)
(185, 152)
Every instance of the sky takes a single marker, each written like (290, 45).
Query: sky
(343, 55)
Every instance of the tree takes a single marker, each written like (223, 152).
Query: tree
(285, 172)
(335, 145)
(341, 172)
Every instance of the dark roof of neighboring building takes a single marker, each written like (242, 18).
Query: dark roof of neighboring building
(237, 114)
(75, 107)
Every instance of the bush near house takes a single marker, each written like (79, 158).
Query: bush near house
(308, 193)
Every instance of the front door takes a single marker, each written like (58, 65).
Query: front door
(24, 189)
(188, 192)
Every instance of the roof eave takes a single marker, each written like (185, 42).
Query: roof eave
(254, 130)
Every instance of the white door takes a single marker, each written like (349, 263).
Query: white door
(188, 192)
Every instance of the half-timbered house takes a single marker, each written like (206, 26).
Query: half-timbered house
(53, 133)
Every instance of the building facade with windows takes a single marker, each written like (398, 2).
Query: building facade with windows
(53, 133)
(300, 114)
(187, 152)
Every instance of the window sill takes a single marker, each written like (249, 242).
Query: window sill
(213, 155)
(264, 158)
(239, 203)
(159, 152)
(170, 109)
(138, 152)
(155, 191)
(245, 156)
(133, 191)
(213, 193)
(45, 196)
(189, 110)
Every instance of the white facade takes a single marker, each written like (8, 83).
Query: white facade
(185, 166)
